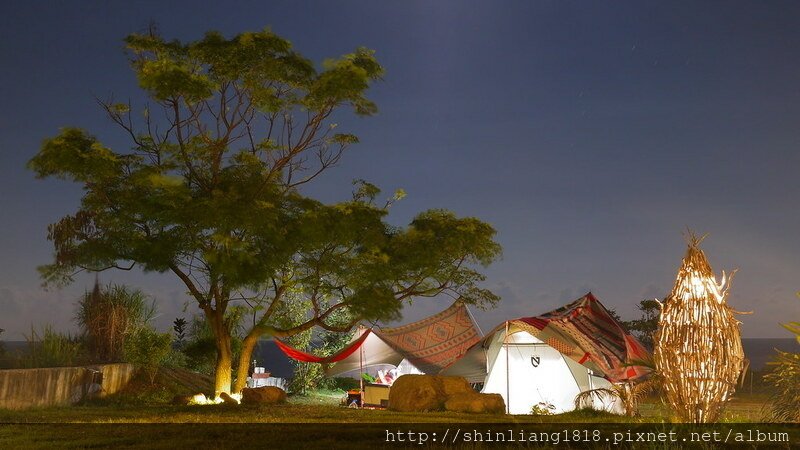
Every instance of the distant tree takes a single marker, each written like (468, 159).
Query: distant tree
(2, 345)
(210, 193)
(645, 327)
(179, 327)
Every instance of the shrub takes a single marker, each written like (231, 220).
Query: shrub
(147, 349)
(200, 345)
(543, 409)
(786, 378)
(338, 383)
(52, 349)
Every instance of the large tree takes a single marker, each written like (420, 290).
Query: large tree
(210, 192)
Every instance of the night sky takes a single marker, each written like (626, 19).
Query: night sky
(591, 135)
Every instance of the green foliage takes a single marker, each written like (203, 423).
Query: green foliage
(147, 349)
(200, 351)
(542, 409)
(210, 192)
(175, 359)
(52, 349)
(304, 375)
(785, 376)
(338, 383)
(309, 376)
(108, 315)
(367, 378)
(179, 327)
(645, 327)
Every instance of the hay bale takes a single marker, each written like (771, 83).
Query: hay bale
(412, 393)
(268, 395)
(454, 385)
(472, 402)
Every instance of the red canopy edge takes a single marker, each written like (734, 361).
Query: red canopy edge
(302, 356)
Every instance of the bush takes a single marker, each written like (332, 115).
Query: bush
(338, 383)
(175, 359)
(147, 349)
(200, 346)
(786, 378)
(52, 349)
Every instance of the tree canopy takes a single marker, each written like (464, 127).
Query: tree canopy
(209, 192)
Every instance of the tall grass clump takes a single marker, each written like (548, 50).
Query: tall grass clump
(108, 315)
(785, 376)
(52, 349)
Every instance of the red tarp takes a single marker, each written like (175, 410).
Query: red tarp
(585, 331)
(308, 357)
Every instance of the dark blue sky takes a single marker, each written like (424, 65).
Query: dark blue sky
(589, 134)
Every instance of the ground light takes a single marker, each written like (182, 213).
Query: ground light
(698, 345)
(201, 399)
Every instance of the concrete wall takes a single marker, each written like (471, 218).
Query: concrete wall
(25, 388)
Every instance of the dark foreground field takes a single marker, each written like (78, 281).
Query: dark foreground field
(304, 422)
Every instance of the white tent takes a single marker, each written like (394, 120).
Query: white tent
(546, 361)
(373, 355)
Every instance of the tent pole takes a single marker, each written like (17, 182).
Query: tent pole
(361, 373)
(473, 320)
(508, 384)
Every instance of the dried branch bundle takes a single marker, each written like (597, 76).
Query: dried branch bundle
(698, 347)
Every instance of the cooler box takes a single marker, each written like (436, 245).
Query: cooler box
(376, 395)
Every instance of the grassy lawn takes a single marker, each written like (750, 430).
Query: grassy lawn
(312, 421)
(323, 407)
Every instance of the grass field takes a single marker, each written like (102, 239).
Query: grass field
(141, 417)
(323, 407)
(109, 424)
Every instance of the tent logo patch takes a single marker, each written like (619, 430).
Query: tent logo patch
(535, 360)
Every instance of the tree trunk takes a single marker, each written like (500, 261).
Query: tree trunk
(222, 338)
(222, 373)
(248, 345)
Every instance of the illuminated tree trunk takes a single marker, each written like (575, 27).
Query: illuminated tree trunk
(248, 345)
(698, 346)
(222, 374)
(222, 338)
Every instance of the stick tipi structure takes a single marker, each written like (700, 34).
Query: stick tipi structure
(698, 346)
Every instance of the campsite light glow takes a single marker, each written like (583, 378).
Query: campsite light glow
(698, 347)
(201, 399)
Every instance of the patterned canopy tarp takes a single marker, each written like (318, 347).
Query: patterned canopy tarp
(437, 341)
(429, 344)
(585, 332)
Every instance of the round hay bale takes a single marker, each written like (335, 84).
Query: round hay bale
(268, 395)
(414, 393)
(476, 403)
(454, 385)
